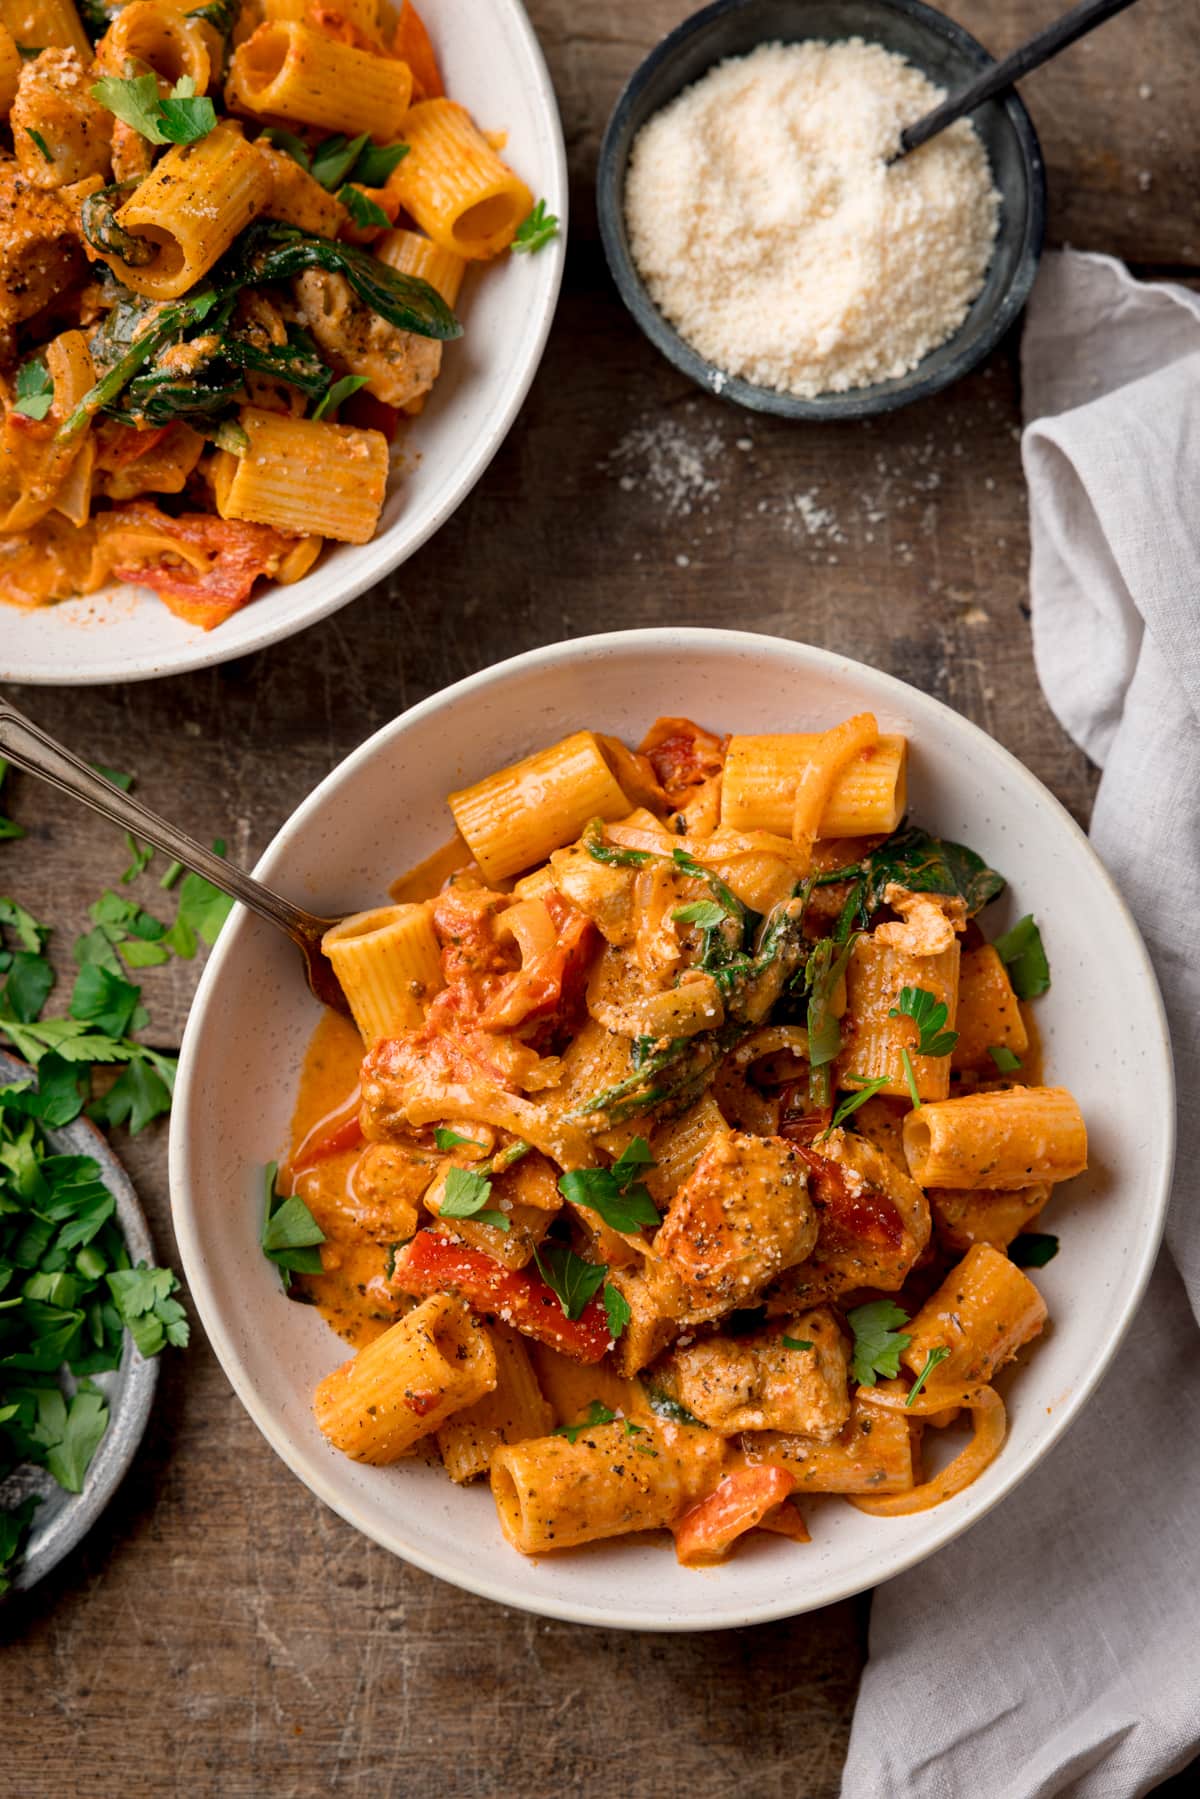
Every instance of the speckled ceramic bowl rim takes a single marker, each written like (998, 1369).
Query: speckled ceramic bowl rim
(945, 726)
(859, 402)
(130, 1411)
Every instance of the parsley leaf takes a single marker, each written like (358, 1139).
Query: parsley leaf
(35, 389)
(1023, 954)
(1032, 1249)
(877, 1343)
(138, 1095)
(1004, 1058)
(184, 118)
(333, 159)
(536, 229)
(104, 999)
(14, 1528)
(27, 988)
(86, 1423)
(616, 1309)
(142, 1296)
(362, 209)
(572, 1280)
(202, 911)
(293, 146)
(376, 162)
(616, 1193)
(447, 1139)
(853, 1101)
(705, 913)
(290, 1234)
(597, 1413)
(929, 1015)
(665, 1407)
(338, 391)
(931, 1361)
(795, 1342)
(911, 1078)
(466, 1195)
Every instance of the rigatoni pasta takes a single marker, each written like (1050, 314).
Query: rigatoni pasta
(740, 1223)
(212, 198)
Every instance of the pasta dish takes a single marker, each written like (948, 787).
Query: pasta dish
(232, 236)
(683, 1158)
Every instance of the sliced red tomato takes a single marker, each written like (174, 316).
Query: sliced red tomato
(237, 554)
(412, 45)
(743, 1499)
(433, 1263)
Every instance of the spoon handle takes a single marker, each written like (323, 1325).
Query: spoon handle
(1028, 56)
(24, 743)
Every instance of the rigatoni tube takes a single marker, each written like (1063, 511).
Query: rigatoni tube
(407, 1382)
(304, 475)
(288, 70)
(464, 196)
(411, 254)
(197, 200)
(515, 818)
(758, 787)
(1002, 1140)
(389, 964)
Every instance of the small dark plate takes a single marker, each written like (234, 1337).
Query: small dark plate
(943, 51)
(62, 1519)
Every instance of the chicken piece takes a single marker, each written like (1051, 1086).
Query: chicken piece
(985, 1215)
(601, 893)
(399, 365)
(931, 920)
(385, 1188)
(526, 1194)
(39, 251)
(296, 199)
(742, 1217)
(653, 1320)
(873, 1223)
(53, 100)
(758, 1382)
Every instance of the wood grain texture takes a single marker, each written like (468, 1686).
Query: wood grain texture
(221, 1632)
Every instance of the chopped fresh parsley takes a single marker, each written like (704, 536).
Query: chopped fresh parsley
(877, 1342)
(705, 913)
(362, 209)
(143, 1298)
(337, 392)
(572, 1280)
(665, 1407)
(616, 1310)
(184, 118)
(466, 1195)
(536, 229)
(1033, 1249)
(795, 1342)
(447, 1139)
(615, 1193)
(931, 1361)
(852, 1101)
(333, 158)
(1004, 1058)
(376, 162)
(35, 389)
(291, 1236)
(929, 1015)
(40, 141)
(597, 1413)
(911, 1078)
(1023, 954)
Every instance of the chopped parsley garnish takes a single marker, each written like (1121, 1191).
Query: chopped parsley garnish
(616, 1193)
(40, 141)
(466, 1195)
(877, 1342)
(597, 1413)
(1004, 1058)
(1023, 954)
(931, 1361)
(337, 392)
(795, 1342)
(184, 118)
(1032, 1249)
(362, 209)
(35, 389)
(705, 913)
(572, 1280)
(852, 1101)
(910, 1077)
(929, 1015)
(290, 1234)
(616, 1310)
(447, 1139)
(536, 229)
(337, 160)
(665, 1407)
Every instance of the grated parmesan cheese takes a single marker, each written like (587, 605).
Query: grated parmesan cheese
(769, 230)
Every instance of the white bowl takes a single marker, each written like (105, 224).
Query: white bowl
(382, 810)
(491, 61)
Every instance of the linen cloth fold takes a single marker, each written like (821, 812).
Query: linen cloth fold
(1055, 1649)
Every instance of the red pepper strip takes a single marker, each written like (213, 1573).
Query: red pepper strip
(346, 1135)
(432, 1263)
(741, 1501)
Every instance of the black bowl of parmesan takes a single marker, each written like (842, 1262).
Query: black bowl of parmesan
(763, 238)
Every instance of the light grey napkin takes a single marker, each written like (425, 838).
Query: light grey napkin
(1055, 1649)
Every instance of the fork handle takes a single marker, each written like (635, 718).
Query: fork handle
(26, 744)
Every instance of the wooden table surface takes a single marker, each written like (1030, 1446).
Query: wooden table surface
(220, 1631)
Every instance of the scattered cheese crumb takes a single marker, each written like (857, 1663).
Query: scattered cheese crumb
(770, 231)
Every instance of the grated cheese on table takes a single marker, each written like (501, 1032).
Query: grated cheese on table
(769, 230)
